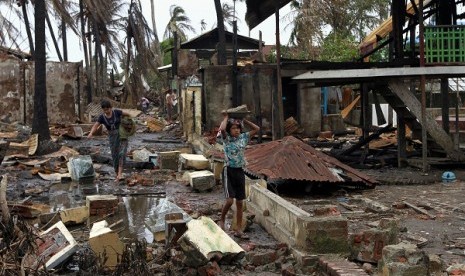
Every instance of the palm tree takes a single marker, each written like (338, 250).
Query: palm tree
(178, 23)
(40, 121)
(342, 17)
(81, 18)
(156, 41)
(221, 34)
(306, 33)
(22, 4)
(104, 21)
(61, 11)
(229, 14)
(139, 55)
(9, 32)
(203, 25)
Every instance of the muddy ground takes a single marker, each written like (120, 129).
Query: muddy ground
(441, 232)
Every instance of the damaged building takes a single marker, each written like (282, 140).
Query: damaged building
(171, 196)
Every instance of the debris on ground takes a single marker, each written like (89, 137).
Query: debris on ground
(162, 222)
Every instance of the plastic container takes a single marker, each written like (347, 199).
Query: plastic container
(448, 177)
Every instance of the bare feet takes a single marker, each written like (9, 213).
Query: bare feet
(118, 179)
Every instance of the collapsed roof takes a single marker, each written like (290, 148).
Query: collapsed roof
(292, 159)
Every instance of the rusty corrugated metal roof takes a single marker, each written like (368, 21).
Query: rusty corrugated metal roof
(292, 159)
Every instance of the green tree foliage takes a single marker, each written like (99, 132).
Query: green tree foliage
(337, 47)
(324, 22)
(165, 47)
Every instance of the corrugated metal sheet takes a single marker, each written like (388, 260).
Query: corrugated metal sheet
(259, 11)
(292, 159)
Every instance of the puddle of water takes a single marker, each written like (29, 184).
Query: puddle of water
(142, 215)
(65, 196)
(146, 216)
(137, 211)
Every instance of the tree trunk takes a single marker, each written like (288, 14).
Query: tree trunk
(28, 28)
(129, 32)
(221, 34)
(97, 71)
(40, 120)
(90, 79)
(155, 36)
(52, 34)
(86, 54)
(63, 36)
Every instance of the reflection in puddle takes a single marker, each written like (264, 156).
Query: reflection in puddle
(64, 196)
(138, 210)
(146, 216)
(142, 215)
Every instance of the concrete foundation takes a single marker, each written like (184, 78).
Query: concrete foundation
(294, 226)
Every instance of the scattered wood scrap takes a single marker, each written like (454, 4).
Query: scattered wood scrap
(363, 141)
(291, 126)
(4, 145)
(3, 201)
(419, 210)
(155, 125)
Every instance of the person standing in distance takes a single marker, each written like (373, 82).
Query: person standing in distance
(144, 104)
(234, 143)
(169, 98)
(111, 119)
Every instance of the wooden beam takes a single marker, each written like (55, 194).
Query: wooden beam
(402, 72)
(437, 133)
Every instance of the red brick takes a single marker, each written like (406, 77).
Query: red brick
(210, 269)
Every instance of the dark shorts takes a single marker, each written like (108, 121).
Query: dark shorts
(234, 183)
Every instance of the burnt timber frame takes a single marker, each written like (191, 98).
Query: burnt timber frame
(394, 80)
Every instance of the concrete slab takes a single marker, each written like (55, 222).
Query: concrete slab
(193, 161)
(105, 243)
(204, 241)
(403, 259)
(169, 160)
(76, 215)
(202, 180)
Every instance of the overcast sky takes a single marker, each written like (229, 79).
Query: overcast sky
(197, 10)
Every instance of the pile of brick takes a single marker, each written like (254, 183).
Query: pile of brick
(100, 205)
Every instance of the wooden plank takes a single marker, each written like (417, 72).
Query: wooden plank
(402, 72)
(432, 127)
(386, 27)
(345, 112)
(419, 210)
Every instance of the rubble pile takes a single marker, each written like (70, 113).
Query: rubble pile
(69, 215)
